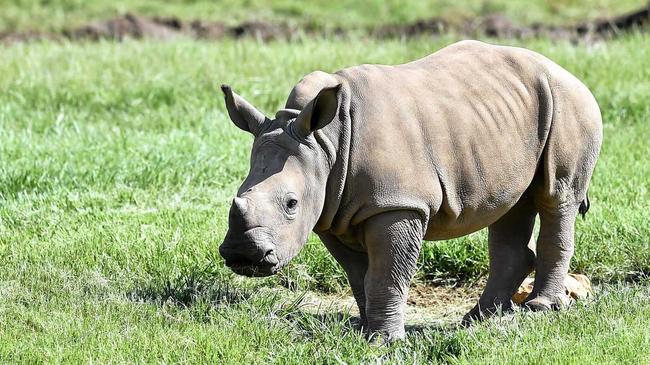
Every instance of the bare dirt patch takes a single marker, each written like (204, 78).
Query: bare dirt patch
(427, 305)
(494, 25)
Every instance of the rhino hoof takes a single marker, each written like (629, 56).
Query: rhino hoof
(542, 304)
(379, 339)
(481, 312)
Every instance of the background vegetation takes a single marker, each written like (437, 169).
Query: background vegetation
(58, 14)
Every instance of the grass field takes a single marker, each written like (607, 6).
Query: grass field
(58, 14)
(117, 166)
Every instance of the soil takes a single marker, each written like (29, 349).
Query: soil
(495, 25)
(426, 306)
(498, 25)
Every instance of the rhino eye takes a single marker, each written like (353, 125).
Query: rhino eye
(292, 204)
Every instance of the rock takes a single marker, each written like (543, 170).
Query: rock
(577, 287)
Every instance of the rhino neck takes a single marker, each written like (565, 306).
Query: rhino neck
(334, 139)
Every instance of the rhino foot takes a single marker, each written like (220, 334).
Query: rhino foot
(484, 311)
(383, 338)
(360, 324)
(542, 303)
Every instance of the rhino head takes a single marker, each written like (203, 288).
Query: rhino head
(282, 197)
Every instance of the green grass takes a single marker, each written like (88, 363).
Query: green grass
(117, 163)
(234, 326)
(58, 14)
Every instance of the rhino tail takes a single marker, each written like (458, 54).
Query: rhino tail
(584, 206)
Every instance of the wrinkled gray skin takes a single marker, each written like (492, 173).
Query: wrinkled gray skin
(374, 159)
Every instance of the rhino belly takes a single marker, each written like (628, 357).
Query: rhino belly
(483, 191)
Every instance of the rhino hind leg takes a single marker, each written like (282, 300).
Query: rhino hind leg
(510, 259)
(555, 246)
(559, 189)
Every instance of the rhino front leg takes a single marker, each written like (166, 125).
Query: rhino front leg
(393, 241)
(554, 252)
(355, 264)
(510, 259)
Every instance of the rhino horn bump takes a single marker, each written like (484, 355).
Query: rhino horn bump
(241, 205)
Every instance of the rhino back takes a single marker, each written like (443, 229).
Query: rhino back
(456, 136)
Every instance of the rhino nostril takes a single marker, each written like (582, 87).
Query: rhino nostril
(271, 257)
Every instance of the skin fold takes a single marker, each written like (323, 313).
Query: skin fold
(376, 158)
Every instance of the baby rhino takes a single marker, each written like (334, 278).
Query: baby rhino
(375, 159)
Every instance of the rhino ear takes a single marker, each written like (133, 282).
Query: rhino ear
(320, 111)
(242, 113)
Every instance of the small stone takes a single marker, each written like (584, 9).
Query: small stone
(577, 286)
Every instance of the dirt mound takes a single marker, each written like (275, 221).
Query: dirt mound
(635, 20)
(430, 26)
(262, 30)
(133, 26)
(127, 26)
(29, 36)
(495, 25)
(157, 28)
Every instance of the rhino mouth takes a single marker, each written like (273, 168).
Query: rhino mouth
(251, 253)
(269, 265)
(253, 270)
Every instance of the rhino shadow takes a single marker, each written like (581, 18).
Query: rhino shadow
(341, 322)
(189, 288)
